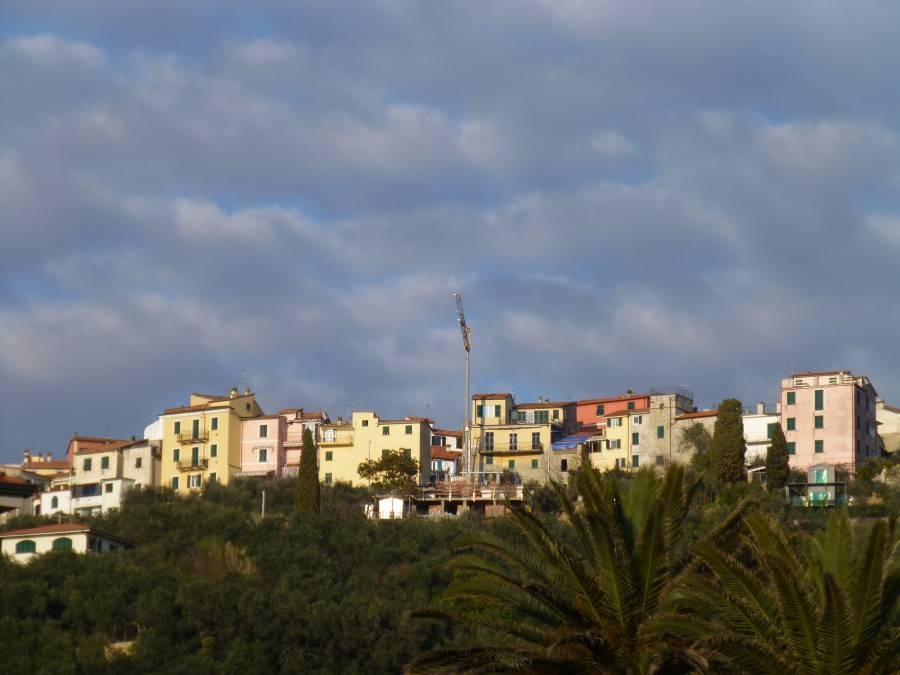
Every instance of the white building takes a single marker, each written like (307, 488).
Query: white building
(22, 545)
(102, 476)
(759, 424)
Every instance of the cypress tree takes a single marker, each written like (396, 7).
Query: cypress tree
(308, 478)
(728, 446)
(778, 469)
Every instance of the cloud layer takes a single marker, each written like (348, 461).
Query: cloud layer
(698, 194)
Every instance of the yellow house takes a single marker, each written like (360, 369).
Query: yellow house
(201, 442)
(617, 454)
(517, 438)
(344, 445)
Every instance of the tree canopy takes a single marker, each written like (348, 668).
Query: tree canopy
(778, 469)
(393, 471)
(728, 447)
(308, 476)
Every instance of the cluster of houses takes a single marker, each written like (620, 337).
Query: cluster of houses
(831, 418)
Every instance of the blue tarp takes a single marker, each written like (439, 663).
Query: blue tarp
(571, 441)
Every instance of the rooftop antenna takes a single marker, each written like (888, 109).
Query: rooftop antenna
(467, 451)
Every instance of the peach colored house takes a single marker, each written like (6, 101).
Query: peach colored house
(828, 417)
(591, 413)
(262, 445)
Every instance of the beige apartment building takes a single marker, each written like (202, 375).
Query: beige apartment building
(829, 417)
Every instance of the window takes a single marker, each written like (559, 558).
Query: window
(792, 448)
(792, 398)
(489, 459)
(263, 454)
(521, 416)
(820, 476)
(54, 503)
(108, 487)
(195, 456)
(214, 423)
(638, 419)
(409, 429)
(660, 460)
(214, 450)
(247, 407)
(563, 464)
(791, 423)
(635, 461)
(534, 464)
(820, 399)
(819, 421)
(138, 462)
(511, 464)
(514, 441)
(615, 422)
(174, 482)
(194, 480)
(327, 479)
(615, 444)
(496, 411)
(535, 440)
(770, 429)
(820, 447)
(329, 455)
(365, 423)
(635, 438)
(541, 416)
(62, 544)
(176, 455)
(385, 453)
(263, 430)
(86, 465)
(555, 415)
(407, 452)
(631, 405)
(660, 432)
(104, 462)
(26, 546)
(212, 477)
(601, 409)
(385, 431)
(479, 411)
(177, 428)
(489, 441)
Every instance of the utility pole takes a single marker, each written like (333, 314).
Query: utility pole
(467, 449)
(263, 511)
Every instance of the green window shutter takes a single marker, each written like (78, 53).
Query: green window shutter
(407, 453)
(635, 461)
(104, 462)
(820, 399)
(86, 465)
(496, 411)
(791, 398)
(214, 424)
(385, 431)
(635, 438)
(212, 477)
(174, 482)
(327, 479)
(489, 459)
(328, 455)
(512, 464)
(175, 454)
(26, 546)
(62, 544)
(631, 405)
(479, 411)
(534, 464)
(770, 429)
(820, 446)
(791, 423)
(556, 414)
(660, 432)
(214, 450)
(601, 409)
(409, 429)
(177, 428)
(792, 448)
(819, 421)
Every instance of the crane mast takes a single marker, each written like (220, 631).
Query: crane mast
(467, 454)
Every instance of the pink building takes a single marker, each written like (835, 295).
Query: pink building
(829, 418)
(591, 413)
(270, 444)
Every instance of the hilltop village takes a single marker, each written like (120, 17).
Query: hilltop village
(831, 418)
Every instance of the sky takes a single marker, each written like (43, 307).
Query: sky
(195, 195)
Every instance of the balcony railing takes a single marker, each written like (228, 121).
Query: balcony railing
(508, 448)
(191, 465)
(337, 437)
(191, 437)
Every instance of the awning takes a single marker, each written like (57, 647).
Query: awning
(571, 442)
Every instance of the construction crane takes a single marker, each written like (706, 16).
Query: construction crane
(467, 459)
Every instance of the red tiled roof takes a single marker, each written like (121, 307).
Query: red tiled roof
(440, 452)
(106, 447)
(56, 464)
(546, 404)
(447, 432)
(48, 529)
(611, 399)
(5, 478)
(698, 414)
(481, 396)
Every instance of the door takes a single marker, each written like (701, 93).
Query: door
(195, 429)
(195, 456)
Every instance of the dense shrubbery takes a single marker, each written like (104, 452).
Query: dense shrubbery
(213, 588)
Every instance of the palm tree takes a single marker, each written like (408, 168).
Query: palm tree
(583, 596)
(795, 605)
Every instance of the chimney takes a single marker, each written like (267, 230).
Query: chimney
(629, 392)
(760, 408)
(49, 456)
(40, 456)
(133, 438)
(26, 455)
(233, 392)
(247, 391)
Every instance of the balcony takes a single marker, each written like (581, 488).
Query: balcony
(190, 465)
(333, 437)
(192, 438)
(497, 448)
